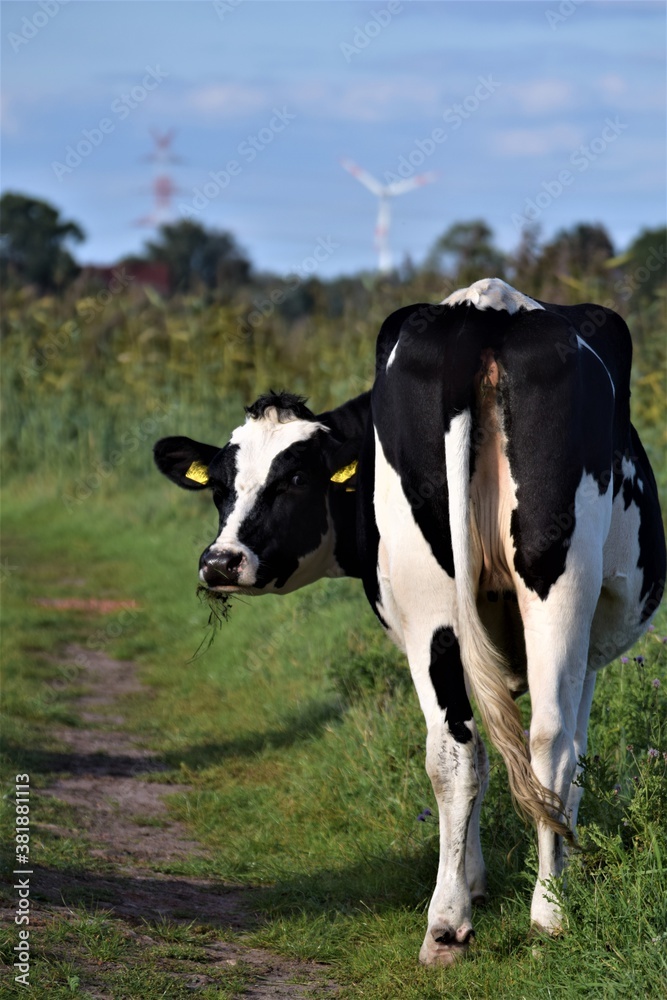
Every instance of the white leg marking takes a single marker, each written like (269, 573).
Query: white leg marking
(458, 787)
(557, 635)
(418, 598)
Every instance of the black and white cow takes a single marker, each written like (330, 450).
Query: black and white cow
(499, 507)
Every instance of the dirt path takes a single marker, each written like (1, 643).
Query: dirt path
(103, 777)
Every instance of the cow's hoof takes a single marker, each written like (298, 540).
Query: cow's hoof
(444, 945)
(546, 916)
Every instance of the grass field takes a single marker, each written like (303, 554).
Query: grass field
(299, 738)
(303, 745)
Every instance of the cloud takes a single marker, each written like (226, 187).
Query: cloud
(537, 141)
(611, 85)
(636, 94)
(380, 99)
(539, 97)
(220, 100)
(376, 100)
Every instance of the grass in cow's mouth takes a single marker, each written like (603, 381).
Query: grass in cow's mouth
(218, 602)
(220, 606)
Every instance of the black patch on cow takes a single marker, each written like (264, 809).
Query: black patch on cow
(353, 515)
(630, 490)
(438, 354)
(222, 477)
(348, 425)
(287, 405)
(652, 557)
(346, 442)
(348, 422)
(174, 456)
(446, 673)
(368, 536)
(559, 415)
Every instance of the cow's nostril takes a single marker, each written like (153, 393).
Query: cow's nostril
(228, 562)
(220, 568)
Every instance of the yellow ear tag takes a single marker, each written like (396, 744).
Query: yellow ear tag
(199, 472)
(343, 475)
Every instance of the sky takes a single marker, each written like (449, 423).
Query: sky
(552, 112)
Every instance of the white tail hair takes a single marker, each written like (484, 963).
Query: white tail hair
(483, 663)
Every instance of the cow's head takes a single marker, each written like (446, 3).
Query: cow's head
(271, 484)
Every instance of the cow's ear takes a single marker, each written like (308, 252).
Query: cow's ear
(342, 445)
(341, 459)
(184, 461)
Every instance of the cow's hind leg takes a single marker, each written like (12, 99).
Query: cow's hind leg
(557, 636)
(456, 765)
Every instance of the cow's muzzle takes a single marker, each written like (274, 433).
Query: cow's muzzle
(221, 569)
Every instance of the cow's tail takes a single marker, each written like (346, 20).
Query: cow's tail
(484, 664)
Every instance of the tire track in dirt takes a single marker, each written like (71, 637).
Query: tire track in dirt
(102, 776)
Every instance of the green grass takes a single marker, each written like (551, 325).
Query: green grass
(303, 743)
(88, 950)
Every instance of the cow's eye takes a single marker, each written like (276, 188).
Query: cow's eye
(298, 481)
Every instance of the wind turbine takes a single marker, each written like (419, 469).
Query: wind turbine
(162, 152)
(162, 187)
(384, 192)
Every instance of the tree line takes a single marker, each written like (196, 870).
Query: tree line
(36, 250)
